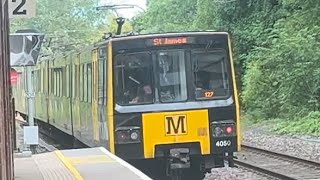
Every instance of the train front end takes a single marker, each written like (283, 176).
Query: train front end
(175, 99)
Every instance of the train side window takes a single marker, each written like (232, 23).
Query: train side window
(52, 82)
(63, 82)
(102, 77)
(55, 92)
(60, 82)
(73, 76)
(67, 81)
(81, 82)
(41, 80)
(38, 81)
(77, 83)
(57, 82)
(55, 86)
(45, 79)
(59, 73)
(101, 82)
(34, 80)
(85, 84)
(89, 85)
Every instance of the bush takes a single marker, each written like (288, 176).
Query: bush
(309, 124)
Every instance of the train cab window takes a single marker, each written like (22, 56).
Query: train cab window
(210, 74)
(134, 74)
(172, 74)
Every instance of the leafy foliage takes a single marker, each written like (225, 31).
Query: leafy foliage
(167, 15)
(70, 24)
(308, 124)
(290, 64)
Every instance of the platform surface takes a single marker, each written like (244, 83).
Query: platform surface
(76, 164)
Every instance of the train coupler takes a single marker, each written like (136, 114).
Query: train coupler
(230, 158)
(179, 158)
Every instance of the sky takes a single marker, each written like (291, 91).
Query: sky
(126, 13)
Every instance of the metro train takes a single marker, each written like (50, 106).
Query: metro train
(171, 97)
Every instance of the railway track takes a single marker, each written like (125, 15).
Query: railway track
(277, 165)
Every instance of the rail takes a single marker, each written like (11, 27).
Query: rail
(276, 164)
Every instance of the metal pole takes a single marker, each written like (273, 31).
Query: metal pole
(6, 158)
(30, 96)
(14, 125)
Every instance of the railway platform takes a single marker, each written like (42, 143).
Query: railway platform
(76, 164)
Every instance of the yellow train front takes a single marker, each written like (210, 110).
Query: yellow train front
(173, 97)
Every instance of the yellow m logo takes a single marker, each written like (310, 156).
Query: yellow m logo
(176, 125)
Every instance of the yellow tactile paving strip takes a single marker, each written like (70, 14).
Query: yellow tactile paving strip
(90, 160)
(95, 163)
(69, 165)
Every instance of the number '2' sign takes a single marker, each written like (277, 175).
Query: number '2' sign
(22, 8)
(19, 10)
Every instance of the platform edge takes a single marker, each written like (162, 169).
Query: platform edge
(71, 168)
(125, 164)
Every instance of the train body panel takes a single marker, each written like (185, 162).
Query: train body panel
(175, 127)
(59, 103)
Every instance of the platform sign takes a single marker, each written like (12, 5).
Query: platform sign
(22, 9)
(25, 48)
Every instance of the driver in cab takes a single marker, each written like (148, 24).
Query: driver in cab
(144, 95)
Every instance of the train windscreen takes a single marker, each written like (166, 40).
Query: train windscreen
(210, 74)
(169, 74)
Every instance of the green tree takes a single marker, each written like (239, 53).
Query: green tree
(167, 15)
(71, 24)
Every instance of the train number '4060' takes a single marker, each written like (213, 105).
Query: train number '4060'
(224, 143)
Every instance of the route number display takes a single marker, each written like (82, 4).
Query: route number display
(22, 9)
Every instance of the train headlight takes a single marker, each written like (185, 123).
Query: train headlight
(134, 136)
(128, 134)
(223, 128)
(217, 131)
